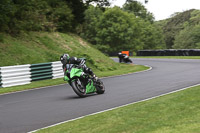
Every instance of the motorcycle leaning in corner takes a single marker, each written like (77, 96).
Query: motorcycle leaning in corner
(82, 83)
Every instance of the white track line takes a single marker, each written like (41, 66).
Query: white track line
(66, 83)
(115, 108)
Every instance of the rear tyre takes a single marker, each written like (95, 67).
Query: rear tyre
(100, 87)
(79, 88)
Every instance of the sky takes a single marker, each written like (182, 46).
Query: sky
(163, 9)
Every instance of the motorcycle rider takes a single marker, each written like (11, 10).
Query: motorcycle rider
(121, 57)
(68, 61)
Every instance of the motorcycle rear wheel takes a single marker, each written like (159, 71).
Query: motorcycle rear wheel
(100, 87)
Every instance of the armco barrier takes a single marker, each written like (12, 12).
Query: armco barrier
(41, 71)
(15, 75)
(169, 52)
(25, 74)
(57, 69)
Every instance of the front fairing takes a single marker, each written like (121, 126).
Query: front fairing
(75, 72)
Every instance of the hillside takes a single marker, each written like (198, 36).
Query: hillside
(181, 30)
(37, 47)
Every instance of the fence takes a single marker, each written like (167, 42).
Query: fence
(25, 74)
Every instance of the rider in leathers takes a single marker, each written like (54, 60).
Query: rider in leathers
(67, 60)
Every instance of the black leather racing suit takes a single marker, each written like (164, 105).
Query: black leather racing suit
(121, 57)
(77, 61)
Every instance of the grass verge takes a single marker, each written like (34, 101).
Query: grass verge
(122, 69)
(174, 113)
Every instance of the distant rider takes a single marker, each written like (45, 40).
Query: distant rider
(124, 58)
(121, 57)
(67, 61)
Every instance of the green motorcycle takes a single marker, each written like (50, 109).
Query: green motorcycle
(83, 84)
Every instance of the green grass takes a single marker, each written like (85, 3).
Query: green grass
(169, 57)
(174, 113)
(40, 47)
(122, 69)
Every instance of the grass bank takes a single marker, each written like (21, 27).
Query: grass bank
(174, 113)
(40, 47)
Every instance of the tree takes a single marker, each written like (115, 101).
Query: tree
(135, 7)
(174, 25)
(118, 30)
(188, 38)
(80, 6)
(62, 16)
(92, 17)
(30, 15)
(151, 36)
(7, 10)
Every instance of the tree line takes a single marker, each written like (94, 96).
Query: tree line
(182, 30)
(44, 15)
(117, 29)
(110, 29)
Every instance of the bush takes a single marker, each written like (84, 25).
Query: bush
(118, 29)
(1, 38)
(35, 15)
(188, 38)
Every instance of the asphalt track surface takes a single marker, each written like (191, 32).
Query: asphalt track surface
(31, 110)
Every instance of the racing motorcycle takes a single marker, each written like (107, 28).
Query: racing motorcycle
(82, 83)
(126, 59)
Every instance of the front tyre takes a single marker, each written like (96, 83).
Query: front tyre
(79, 88)
(100, 87)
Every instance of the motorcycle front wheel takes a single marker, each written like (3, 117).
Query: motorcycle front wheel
(79, 88)
(100, 87)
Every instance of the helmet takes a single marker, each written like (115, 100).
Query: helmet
(64, 58)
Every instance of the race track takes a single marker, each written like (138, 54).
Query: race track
(31, 110)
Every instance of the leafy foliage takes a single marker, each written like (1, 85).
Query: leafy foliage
(189, 38)
(174, 26)
(135, 7)
(182, 29)
(92, 17)
(34, 15)
(118, 29)
(62, 17)
(152, 37)
(43, 15)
